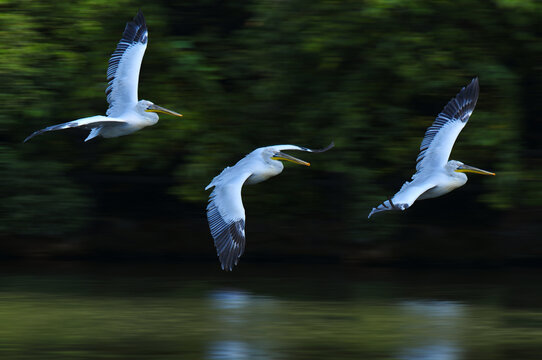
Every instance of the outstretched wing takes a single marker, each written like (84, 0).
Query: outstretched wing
(402, 200)
(226, 216)
(92, 123)
(440, 137)
(124, 66)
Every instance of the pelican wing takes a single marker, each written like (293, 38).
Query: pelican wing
(124, 66)
(404, 198)
(301, 148)
(440, 137)
(92, 123)
(226, 215)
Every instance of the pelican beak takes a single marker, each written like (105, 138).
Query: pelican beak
(472, 169)
(156, 108)
(279, 155)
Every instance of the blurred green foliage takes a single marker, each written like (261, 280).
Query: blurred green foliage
(37, 198)
(370, 75)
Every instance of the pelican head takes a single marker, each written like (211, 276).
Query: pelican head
(149, 110)
(459, 167)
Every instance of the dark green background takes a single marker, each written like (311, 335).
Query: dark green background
(369, 75)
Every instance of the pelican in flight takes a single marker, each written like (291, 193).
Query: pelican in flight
(125, 114)
(435, 175)
(225, 211)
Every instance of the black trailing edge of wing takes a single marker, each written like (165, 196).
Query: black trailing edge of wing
(458, 108)
(135, 32)
(229, 237)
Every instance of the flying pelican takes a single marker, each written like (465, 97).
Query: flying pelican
(225, 211)
(435, 175)
(125, 114)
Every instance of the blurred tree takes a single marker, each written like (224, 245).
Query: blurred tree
(38, 199)
(369, 75)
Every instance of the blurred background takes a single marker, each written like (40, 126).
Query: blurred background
(105, 247)
(371, 76)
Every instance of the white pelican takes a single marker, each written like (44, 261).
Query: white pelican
(225, 210)
(125, 114)
(435, 175)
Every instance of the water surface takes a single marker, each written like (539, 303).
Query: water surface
(312, 311)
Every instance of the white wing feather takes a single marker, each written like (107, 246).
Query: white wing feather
(301, 148)
(124, 66)
(404, 198)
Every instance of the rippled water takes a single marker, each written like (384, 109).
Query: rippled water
(194, 311)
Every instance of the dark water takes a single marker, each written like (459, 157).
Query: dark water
(313, 311)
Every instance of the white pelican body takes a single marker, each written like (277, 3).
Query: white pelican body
(435, 175)
(225, 211)
(125, 114)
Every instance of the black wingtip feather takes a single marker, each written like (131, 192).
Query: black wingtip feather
(32, 135)
(388, 205)
(135, 29)
(331, 145)
(230, 244)
(464, 102)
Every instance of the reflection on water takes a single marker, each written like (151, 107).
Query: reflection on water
(443, 312)
(231, 305)
(237, 312)
(229, 299)
(435, 332)
(229, 350)
(441, 351)
(267, 312)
